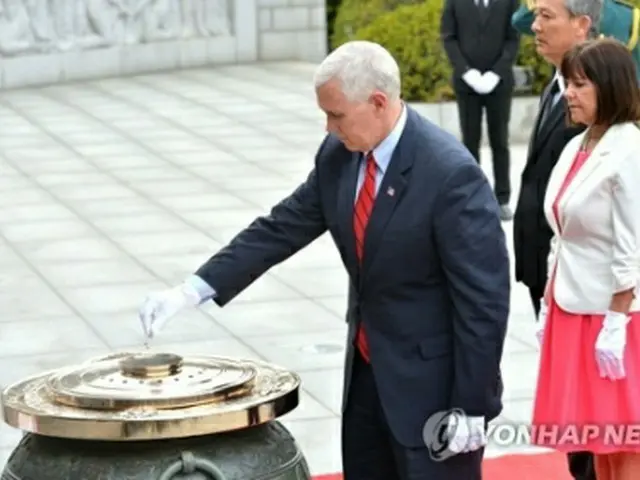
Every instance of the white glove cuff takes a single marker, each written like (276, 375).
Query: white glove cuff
(190, 293)
(615, 320)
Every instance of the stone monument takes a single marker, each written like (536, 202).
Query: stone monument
(50, 41)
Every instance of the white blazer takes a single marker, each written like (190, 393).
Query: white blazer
(595, 251)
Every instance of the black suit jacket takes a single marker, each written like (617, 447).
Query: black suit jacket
(433, 290)
(485, 41)
(531, 232)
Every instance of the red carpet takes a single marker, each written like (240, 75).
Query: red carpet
(547, 466)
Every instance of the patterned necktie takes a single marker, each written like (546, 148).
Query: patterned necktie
(362, 212)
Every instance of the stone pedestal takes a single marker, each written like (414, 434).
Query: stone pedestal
(51, 41)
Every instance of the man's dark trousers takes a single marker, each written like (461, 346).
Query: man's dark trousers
(497, 106)
(369, 450)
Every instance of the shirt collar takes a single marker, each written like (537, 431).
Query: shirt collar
(561, 85)
(384, 151)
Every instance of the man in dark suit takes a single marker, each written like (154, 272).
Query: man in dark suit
(417, 226)
(482, 46)
(559, 25)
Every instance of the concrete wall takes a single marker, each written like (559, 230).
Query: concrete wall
(51, 41)
(292, 29)
(523, 116)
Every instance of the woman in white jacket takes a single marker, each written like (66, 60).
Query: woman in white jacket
(588, 392)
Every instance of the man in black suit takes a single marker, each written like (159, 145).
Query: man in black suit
(417, 227)
(482, 46)
(559, 25)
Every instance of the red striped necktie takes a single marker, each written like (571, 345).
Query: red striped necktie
(362, 212)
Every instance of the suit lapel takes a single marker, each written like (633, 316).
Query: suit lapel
(346, 205)
(558, 175)
(541, 106)
(533, 143)
(554, 118)
(390, 193)
(485, 12)
(597, 156)
(482, 11)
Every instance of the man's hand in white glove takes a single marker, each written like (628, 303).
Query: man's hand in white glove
(542, 321)
(489, 82)
(466, 434)
(610, 345)
(159, 307)
(473, 78)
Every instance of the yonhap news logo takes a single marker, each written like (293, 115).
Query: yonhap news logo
(438, 431)
(449, 432)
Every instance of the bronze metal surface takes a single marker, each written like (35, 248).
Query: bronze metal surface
(151, 365)
(159, 380)
(146, 396)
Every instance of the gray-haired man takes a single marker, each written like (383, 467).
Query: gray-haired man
(417, 226)
(559, 25)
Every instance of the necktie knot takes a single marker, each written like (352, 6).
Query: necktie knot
(371, 160)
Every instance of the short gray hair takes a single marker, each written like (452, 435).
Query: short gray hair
(588, 8)
(361, 68)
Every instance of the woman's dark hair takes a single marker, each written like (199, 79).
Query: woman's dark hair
(610, 67)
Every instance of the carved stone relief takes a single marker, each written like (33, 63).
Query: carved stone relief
(16, 35)
(45, 26)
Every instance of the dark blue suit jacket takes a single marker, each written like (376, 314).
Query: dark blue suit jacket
(433, 291)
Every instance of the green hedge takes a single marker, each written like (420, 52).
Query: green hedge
(405, 32)
(351, 15)
(527, 56)
(332, 7)
(410, 30)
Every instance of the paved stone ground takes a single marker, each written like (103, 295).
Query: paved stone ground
(110, 189)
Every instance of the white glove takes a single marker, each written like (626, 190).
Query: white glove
(473, 78)
(466, 434)
(159, 307)
(489, 82)
(542, 321)
(610, 345)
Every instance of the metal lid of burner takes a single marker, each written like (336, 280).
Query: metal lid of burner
(147, 396)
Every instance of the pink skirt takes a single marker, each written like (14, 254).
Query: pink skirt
(575, 409)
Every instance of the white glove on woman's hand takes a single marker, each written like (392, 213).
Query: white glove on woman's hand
(541, 321)
(610, 345)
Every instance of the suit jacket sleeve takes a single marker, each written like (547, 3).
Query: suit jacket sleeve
(511, 47)
(474, 257)
(626, 205)
(291, 225)
(449, 35)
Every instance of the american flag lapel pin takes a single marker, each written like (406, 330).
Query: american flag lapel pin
(391, 191)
